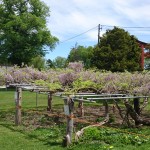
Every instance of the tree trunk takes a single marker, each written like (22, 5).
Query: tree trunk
(138, 120)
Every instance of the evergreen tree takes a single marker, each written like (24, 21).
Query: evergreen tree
(118, 51)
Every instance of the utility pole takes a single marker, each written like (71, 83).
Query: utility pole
(99, 30)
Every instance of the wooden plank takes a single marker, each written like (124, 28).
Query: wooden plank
(18, 84)
(111, 98)
(97, 95)
(2, 87)
(85, 93)
(84, 100)
(34, 88)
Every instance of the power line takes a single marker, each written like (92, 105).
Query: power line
(100, 27)
(124, 26)
(138, 27)
(78, 35)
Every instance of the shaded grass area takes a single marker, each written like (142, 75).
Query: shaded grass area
(41, 132)
(12, 140)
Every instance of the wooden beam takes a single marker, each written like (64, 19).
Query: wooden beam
(18, 100)
(111, 98)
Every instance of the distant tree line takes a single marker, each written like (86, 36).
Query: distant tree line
(117, 51)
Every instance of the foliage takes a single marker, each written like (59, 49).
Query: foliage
(112, 138)
(74, 78)
(76, 66)
(59, 62)
(23, 31)
(52, 86)
(67, 78)
(81, 53)
(49, 63)
(81, 84)
(2, 75)
(38, 62)
(118, 51)
(24, 75)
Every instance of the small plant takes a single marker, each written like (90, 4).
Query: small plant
(100, 119)
(111, 118)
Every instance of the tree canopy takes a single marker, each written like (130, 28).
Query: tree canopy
(81, 53)
(118, 51)
(59, 62)
(23, 31)
(38, 62)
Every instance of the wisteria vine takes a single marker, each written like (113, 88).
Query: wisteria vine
(75, 77)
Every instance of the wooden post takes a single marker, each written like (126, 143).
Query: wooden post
(36, 99)
(68, 109)
(80, 105)
(18, 100)
(49, 102)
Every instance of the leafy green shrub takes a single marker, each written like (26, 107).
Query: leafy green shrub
(111, 137)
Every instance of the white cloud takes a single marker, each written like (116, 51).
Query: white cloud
(72, 17)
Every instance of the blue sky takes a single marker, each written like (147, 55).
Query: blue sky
(69, 18)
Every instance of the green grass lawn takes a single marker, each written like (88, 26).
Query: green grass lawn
(23, 137)
(40, 132)
(13, 140)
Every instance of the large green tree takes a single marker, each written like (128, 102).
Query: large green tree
(81, 53)
(23, 31)
(118, 51)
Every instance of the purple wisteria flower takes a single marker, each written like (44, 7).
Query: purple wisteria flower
(76, 66)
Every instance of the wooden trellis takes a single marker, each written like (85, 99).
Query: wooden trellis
(134, 111)
(29, 87)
